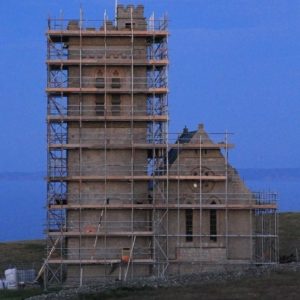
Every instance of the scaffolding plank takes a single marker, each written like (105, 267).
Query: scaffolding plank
(84, 61)
(92, 234)
(76, 90)
(82, 118)
(102, 33)
(165, 206)
(137, 178)
(98, 261)
(148, 146)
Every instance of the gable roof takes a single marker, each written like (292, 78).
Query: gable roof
(184, 138)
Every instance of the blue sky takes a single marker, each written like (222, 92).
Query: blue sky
(235, 66)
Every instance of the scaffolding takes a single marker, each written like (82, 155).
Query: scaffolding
(119, 185)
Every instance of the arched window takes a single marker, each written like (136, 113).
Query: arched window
(100, 83)
(188, 225)
(116, 80)
(213, 224)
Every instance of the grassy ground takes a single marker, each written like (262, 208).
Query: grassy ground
(27, 254)
(289, 234)
(19, 294)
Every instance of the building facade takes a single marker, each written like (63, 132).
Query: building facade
(125, 198)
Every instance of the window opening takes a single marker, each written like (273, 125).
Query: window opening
(100, 83)
(213, 224)
(100, 105)
(189, 225)
(129, 25)
(116, 83)
(116, 80)
(115, 105)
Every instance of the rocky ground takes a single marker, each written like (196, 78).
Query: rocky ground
(109, 289)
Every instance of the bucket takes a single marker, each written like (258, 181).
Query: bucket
(125, 258)
(89, 229)
(125, 255)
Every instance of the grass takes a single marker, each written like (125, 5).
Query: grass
(289, 234)
(27, 254)
(19, 294)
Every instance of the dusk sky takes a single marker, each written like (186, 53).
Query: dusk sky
(235, 66)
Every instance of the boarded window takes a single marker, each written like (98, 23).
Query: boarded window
(189, 225)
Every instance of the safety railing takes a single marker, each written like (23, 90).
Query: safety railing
(176, 141)
(105, 25)
(122, 54)
(106, 110)
(111, 83)
(196, 199)
(111, 226)
(107, 253)
(97, 168)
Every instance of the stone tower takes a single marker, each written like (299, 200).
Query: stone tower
(107, 93)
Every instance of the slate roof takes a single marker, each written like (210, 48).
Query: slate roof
(184, 138)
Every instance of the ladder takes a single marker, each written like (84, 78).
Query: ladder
(41, 271)
(97, 231)
(129, 260)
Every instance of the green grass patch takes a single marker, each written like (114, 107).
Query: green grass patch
(27, 254)
(289, 234)
(19, 294)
